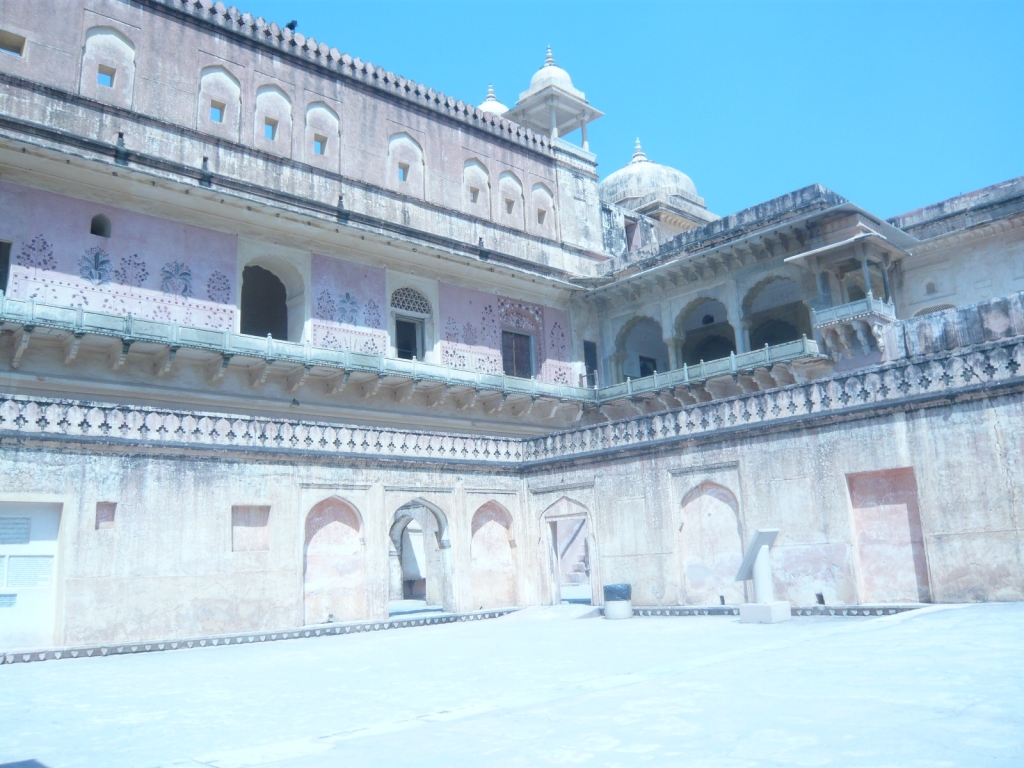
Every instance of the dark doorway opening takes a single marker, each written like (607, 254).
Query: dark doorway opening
(648, 365)
(590, 361)
(407, 339)
(516, 354)
(5, 265)
(264, 304)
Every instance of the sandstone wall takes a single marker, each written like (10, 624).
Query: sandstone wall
(892, 503)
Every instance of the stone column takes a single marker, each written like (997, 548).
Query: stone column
(673, 354)
(735, 309)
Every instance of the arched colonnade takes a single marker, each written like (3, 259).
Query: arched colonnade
(774, 311)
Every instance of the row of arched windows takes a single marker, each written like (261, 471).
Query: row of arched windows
(773, 313)
(506, 202)
(108, 74)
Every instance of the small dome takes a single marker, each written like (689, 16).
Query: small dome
(491, 104)
(642, 178)
(551, 74)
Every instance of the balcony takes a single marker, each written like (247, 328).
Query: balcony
(216, 350)
(856, 329)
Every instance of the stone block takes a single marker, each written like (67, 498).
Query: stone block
(765, 613)
(620, 609)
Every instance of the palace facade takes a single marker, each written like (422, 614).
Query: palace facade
(288, 340)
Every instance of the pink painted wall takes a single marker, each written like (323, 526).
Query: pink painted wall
(349, 305)
(492, 565)
(470, 329)
(889, 540)
(334, 575)
(471, 326)
(148, 267)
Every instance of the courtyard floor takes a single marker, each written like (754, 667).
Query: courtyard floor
(937, 687)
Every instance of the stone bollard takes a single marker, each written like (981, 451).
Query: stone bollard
(757, 566)
(618, 601)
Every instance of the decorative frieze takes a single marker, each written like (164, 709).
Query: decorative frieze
(902, 382)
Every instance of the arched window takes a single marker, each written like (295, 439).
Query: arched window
(410, 300)
(100, 226)
(411, 308)
(640, 349)
(405, 165)
(220, 100)
(272, 128)
(543, 210)
(509, 205)
(476, 189)
(323, 131)
(936, 308)
(704, 331)
(775, 313)
(264, 304)
(108, 66)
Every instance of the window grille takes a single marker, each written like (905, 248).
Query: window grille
(410, 300)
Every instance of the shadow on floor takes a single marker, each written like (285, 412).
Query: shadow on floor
(23, 764)
(405, 607)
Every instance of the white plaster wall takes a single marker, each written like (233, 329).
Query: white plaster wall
(167, 568)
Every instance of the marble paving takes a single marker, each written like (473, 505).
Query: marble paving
(936, 687)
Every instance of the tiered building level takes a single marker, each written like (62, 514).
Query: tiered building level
(287, 338)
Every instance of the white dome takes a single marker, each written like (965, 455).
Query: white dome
(491, 104)
(551, 74)
(642, 178)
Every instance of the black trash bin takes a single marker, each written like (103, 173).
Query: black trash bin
(618, 601)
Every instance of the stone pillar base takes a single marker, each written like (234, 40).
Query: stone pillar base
(765, 613)
(620, 609)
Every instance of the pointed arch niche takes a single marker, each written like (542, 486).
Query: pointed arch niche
(419, 561)
(493, 563)
(573, 567)
(406, 171)
(710, 546)
(640, 349)
(108, 67)
(334, 563)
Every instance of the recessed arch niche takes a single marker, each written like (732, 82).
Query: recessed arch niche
(334, 567)
(492, 553)
(710, 546)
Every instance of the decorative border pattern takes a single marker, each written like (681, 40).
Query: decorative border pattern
(939, 376)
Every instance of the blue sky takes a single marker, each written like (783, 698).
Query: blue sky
(892, 104)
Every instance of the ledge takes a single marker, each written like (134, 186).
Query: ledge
(238, 638)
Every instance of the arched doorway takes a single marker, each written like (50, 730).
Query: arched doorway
(710, 546)
(264, 304)
(572, 551)
(704, 330)
(640, 349)
(493, 569)
(774, 312)
(419, 559)
(334, 577)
